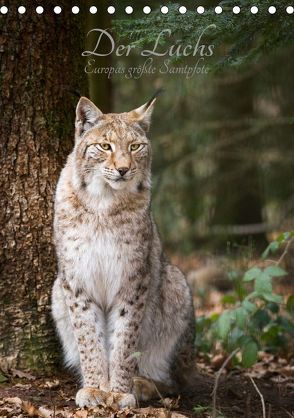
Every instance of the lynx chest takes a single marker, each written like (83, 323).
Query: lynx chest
(100, 262)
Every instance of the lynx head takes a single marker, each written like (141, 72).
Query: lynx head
(112, 148)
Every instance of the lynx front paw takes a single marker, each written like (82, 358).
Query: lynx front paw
(125, 400)
(90, 397)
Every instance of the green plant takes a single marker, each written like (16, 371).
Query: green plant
(257, 319)
(286, 238)
(200, 410)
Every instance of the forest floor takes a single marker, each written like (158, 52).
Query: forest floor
(266, 390)
(25, 395)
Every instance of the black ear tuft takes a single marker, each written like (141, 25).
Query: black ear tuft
(87, 114)
(142, 115)
(155, 95)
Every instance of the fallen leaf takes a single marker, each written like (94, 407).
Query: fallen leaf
(30, 409)
(66, 414)
(14, 401)
(280, 380)
(26, 386)
(287, 371)
(5, 412)
(51, 384)
(170, 403)
(217, 361)
(150, 412)
(83, 413)
(21, 374)
(45, 413)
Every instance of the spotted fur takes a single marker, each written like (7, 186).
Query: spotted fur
(120, 308)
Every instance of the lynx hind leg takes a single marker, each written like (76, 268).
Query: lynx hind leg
(146, 389)
(184, 364)
(168, 346)
(64, 327)
(184, 360)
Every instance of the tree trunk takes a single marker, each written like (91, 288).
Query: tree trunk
(100, 85)
(40, 64)
(238, 194)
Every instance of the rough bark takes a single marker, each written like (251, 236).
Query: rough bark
(40, 63)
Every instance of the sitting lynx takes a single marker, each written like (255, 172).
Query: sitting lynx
(120, 308)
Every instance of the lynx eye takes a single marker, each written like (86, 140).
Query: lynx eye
(135, 147)
(105, 146)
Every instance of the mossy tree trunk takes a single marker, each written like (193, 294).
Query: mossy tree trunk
(40, 64)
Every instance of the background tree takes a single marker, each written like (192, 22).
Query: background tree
(238, 198)
(100, 85)
(40, 65)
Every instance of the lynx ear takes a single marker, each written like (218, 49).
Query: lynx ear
(142, 114)
(87, 115)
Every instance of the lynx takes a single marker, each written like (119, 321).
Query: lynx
(123, 313)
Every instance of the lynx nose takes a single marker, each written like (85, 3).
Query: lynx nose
(123, 170)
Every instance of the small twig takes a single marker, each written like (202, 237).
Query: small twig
(261, 397)
(288, 413)
(214, 392)
(268, 260)
(158, 392)
(269, 411)
(285, 251)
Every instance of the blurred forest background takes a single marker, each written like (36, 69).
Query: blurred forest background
(222, 142)
(223, 163)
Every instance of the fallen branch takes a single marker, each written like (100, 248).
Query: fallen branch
(261, 397)
(214, 392)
